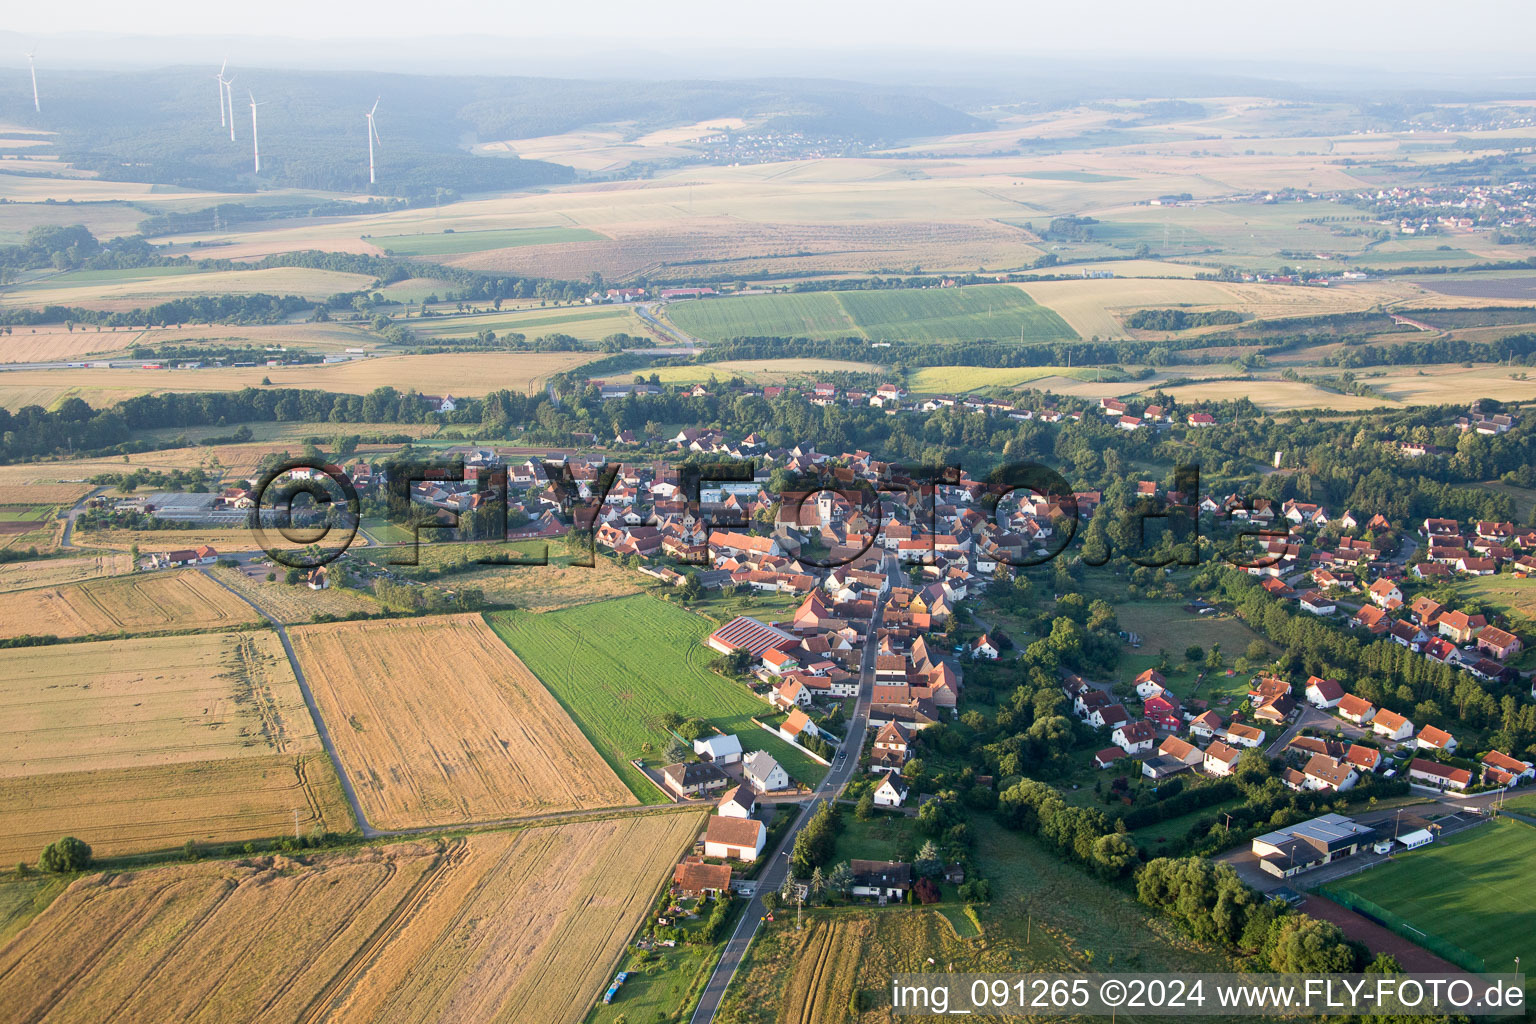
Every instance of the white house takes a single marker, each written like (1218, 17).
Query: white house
(885, 880)
(1434, 738)
(1220, 759)
(734, 838)
(764, 773)
(1391, 725)
(1134, 737)
(892, 791)
(985, 648)
(737, 802)
(1324, 693)
(721, 749)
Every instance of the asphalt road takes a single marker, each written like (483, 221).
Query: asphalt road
(773, 875)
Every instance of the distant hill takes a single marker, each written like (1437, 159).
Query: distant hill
(163, 126)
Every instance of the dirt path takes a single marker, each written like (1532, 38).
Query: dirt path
(314, 712)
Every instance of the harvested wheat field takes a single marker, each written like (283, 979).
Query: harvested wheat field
(148, 700)
(43, 495)
(51, 572)
(142, 603)
(161, 807)
(825, 971)
(144, 743)
(437, 722)
(520, 926)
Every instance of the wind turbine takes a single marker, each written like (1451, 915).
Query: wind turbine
(373, 134)
(255, 142)
(220, 78)
(229, 91)
(37, 106)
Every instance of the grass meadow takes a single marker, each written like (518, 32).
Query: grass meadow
(618, 666)
(934, 314)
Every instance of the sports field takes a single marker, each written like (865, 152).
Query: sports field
(144, 743)
(495, 928)
(438, 723)
(142, 603)
(999, 312)
(618, 666)
(1471, 889)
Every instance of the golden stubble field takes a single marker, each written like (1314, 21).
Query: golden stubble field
(52, 572)
(437, 722)
(513, 927)
(135, 292)
(160, 700)
(456, 373)
(143, 744)
(141, 603)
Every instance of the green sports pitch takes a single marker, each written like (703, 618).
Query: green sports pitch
(1472, 889)
(998, 312)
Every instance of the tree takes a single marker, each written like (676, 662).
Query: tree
(691, 589)
(929, 863)
(1194, 653)
(1113, 855)
(1305, 945)
(65, 855)
(865, 808)
(840, 878)
(926, 890)
(817, 885)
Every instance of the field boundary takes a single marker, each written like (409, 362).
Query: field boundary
(314, 711)
(1399, 925)
(611, 758)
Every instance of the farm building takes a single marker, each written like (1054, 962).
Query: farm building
(747, 632)
(734, 838)
(693, 877)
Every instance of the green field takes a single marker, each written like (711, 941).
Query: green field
(112, 276)
(450, 243)
(1472, 889)
(1166, 626)
(586, 323)
(1505, 593)
(999, 312)
(617, 666)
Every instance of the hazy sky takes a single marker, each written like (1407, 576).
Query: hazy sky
(1436, 35)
